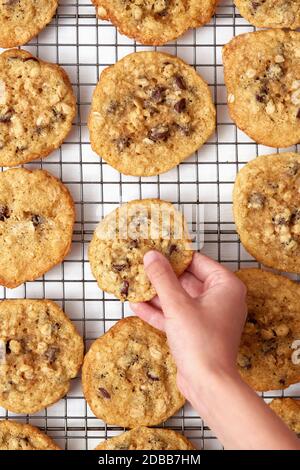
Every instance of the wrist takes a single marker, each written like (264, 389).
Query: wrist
(201, 391)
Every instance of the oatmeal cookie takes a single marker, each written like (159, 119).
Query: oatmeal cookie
(123, 237)
(147, 439)
(266, 206)
(37, 107)
(36, 224)
(21, 20)
(129, 376)
(155, 22)
(40, 352)
(262, 76)
(271, 13)
(269, 355)
(289, 411)
(19, 436)
(149, 112)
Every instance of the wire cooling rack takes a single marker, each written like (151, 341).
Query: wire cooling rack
(84, 46)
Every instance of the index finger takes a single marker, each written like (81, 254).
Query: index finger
(202, 266)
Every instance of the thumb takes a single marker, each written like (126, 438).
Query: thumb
(164, 280)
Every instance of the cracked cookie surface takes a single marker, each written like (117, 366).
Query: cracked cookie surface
(149, 112)
(129, 376)
(19, 436)
(37, 107)
(36, 224)
(41, 352)
(268, 357)
(262, 76)
(289, 411)
(155, 22)
(266, 202)
(21, 20)
(147, 439)
(271, 13)
(123, 237)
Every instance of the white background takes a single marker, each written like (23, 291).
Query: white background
(84, 47)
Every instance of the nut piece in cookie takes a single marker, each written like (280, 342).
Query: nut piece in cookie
(129, 376)
(123, 237)
(21, 20)
(41, 353)
(289, 411)
(143, 438)
(266, 206)
(262, 71)
(150, 111)
(266, 359)
(37, 107)
(36, 224)
(155, 22)
(270, 13)
(19, 436)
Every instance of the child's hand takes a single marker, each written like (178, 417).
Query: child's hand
(203, 315)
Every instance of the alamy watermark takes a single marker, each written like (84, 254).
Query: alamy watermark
(155, 222)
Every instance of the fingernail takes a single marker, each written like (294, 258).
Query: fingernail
(150, 257)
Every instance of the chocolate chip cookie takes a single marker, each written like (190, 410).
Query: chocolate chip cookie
(268, 358)
(123, 237)
(289, 411)
(37, 107)
(40, 352)
(36, 224)
(21, 20)
(129, 376)
(19, 436)
(266, 206)
(147, 439)
(262, 76)
(271, 13)
(155, 22)
(149, 112)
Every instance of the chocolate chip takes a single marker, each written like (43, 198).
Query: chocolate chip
(56, 327)
(180, 106)
(282, 381)
(133, 243)
(261, 96)
(59, 116)
(7, 348)
(152, 377)
(295, 216)
(104, 393)
(122, 143)
(298, 114)
(51, 354)
(124, 288)
(158, 94)
(37, 220)
(112, 107)
(4, 213)
(179, 82)
(159, 133)
(119, 267)
(280, 219)
(172, 249)
(6, 117)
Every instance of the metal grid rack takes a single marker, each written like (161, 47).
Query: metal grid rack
(84, 46)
